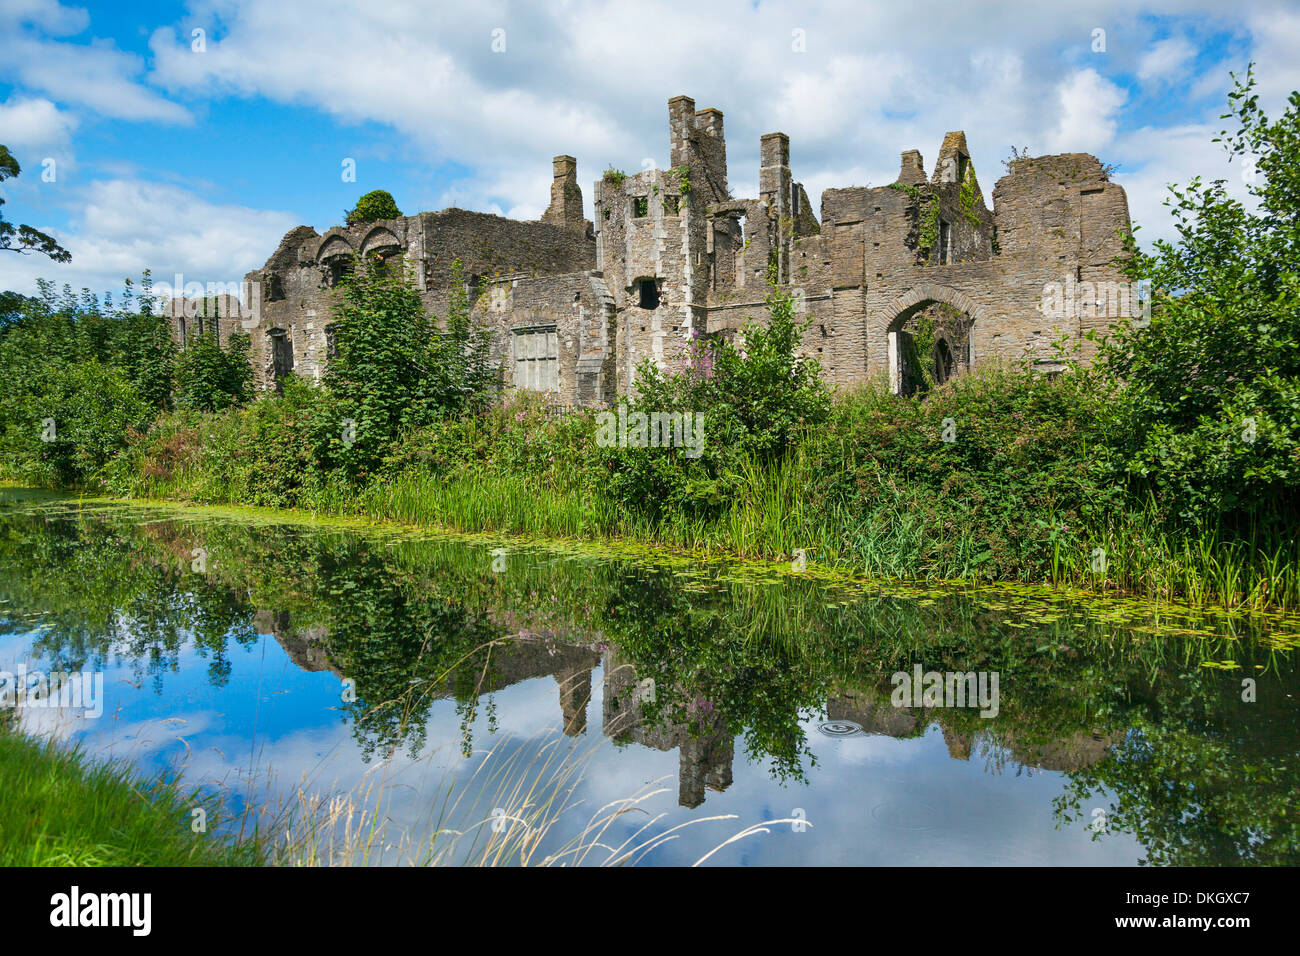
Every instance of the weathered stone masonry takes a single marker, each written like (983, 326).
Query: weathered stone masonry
(577, 305)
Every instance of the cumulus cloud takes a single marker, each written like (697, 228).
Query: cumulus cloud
(122, 227)
(34, 123)
(1158, 157)
(494, 92)
(95, 75)
(500, 90)
(1167, 59)
(1087, 108)
(49, 15)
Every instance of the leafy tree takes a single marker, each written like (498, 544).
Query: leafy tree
(395, 370)
(755, 399)
(13, 307)
(1208, 415)
(25, 239)
(376, 205)
(75, 419)
(210, 378)
(56, 329)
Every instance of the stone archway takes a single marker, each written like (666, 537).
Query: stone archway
(954, 316)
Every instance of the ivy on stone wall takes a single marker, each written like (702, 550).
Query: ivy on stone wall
(927, 230)
(967, 198)
(929, 234)
(683, 173)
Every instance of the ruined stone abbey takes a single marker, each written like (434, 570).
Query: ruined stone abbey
(577, 305)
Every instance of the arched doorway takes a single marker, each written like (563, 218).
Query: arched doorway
(930, 338)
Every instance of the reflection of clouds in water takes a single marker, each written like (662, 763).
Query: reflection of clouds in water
(870, 799)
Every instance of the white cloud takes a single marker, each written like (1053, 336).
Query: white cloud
(49, 15)
(576, 78)
(125, 226)
(1086, 120)
(1160, 156)
(1167, 59)
(95, 75)
(1275, 35)
(33, 123)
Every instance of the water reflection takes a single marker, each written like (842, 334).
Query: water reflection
(1116, 699)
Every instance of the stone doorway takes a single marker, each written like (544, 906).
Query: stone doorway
(929, 343)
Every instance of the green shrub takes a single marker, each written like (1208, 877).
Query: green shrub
(210, 378)
(754, 399)
(1207, 418)
(395, 370)
(74, 420)
(376, 205)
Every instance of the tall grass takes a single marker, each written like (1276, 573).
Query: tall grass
(60, 808)
(873, 491)
(63, 809)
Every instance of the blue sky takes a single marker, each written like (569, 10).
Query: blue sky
(196, 157)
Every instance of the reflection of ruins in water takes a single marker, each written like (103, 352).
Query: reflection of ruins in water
(706, 751)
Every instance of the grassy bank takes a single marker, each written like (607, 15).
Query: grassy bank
(1024, 492)
(60, 808)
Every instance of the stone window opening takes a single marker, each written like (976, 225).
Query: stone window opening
(640, 207)
(281, 356)
(648, 293)
(536, 353)
(274, 288)
(339, 268)
(945, 242)
(331, 343)
(670, 205)
(943, 362)
(387, 262)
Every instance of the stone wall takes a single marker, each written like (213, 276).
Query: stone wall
(671, 254)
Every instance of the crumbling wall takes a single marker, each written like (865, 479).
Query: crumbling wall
(671, 254)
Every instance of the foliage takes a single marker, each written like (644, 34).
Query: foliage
(735, 653)
(683, 174)
(1015, 156)
(374, 206)
(25, 239)
(63, 809)
(395, 371)
(74, 420)
(966, 197)
(210, 378)
(1208, 416)
(750, 396)
(925, 206)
